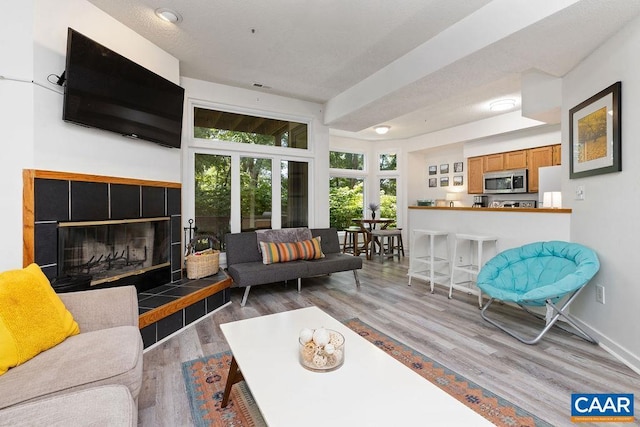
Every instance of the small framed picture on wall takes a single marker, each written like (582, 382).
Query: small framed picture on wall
(433, 182)
(444, 181)
(433, 170)
(457, 180)
(444, 168)
(457, 167)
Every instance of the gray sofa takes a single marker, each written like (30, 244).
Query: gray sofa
(92, 378)
(245, 266)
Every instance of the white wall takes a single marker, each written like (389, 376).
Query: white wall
(16, 125)
(32, 130)
(67, 147)
(607, 220)
(419, 180)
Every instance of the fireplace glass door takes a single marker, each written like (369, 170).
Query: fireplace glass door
(111, 250)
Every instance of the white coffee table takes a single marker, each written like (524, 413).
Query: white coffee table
(370, 389)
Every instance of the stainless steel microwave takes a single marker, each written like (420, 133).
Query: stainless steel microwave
(512, 181)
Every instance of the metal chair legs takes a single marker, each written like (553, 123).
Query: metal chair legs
(558, 312)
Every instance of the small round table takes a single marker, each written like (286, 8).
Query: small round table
(367, 225)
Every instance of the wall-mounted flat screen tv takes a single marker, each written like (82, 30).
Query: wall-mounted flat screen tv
(105, 90)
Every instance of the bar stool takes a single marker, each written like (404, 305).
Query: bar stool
(398, 245)
(351, 241)
(429, 256)
(386, 238)
(470, 261)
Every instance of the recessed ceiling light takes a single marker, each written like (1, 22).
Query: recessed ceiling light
(502, 105)
(381, 130)
(169, 15)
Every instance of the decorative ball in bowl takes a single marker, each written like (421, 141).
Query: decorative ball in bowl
(321, 350)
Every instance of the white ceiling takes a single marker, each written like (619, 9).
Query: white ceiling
(416, 65)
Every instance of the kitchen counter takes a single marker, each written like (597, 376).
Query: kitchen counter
(512, 226)
(521, 210)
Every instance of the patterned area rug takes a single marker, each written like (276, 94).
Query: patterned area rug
(205, 379)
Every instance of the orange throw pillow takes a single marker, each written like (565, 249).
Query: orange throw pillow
(310, 249)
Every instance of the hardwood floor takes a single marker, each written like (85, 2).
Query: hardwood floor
(538, 378)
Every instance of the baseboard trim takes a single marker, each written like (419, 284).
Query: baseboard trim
(616, 350)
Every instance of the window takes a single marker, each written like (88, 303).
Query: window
(387, 185)
(232, 127)
(350, 161)
(346, 201)
(388, 202)
(243, 179)
(387, 162)
(294, 182)
(255, 193)
(346, 188)
(213, 195)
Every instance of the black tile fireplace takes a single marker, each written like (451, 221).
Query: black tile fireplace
(116, 230)
(89, 231)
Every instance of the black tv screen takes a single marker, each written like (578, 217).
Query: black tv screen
(105, 90)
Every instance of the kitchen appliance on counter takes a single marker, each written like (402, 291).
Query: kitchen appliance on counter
(523, 204)
(480, 201)
(511, 181)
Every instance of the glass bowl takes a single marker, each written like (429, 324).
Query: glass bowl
(322, 358)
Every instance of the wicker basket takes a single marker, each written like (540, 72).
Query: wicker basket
(202, 264)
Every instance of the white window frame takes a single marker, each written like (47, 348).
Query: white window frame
(383, 174)
(362, 174)
(236, 150)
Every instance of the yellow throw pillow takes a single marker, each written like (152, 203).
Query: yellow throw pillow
(32, 316)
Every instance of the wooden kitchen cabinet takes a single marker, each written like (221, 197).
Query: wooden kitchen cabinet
(530, 159)
(494, 162)
(541, 156)
(475, 169)
(515, 159)
(557, 157)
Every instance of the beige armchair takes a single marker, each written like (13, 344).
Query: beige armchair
(105, 358)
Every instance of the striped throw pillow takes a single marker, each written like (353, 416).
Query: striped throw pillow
(310, 249)
(273, 252)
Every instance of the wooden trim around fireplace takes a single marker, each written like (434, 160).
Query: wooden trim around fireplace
(28, 199)
(165, 310)
(28, 217)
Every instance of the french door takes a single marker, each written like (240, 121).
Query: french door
(240, 192)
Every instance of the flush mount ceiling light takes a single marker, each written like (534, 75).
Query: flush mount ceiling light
(169, 15)
(381, 130)
(502, 105)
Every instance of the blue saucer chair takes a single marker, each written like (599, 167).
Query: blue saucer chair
(539, 274)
